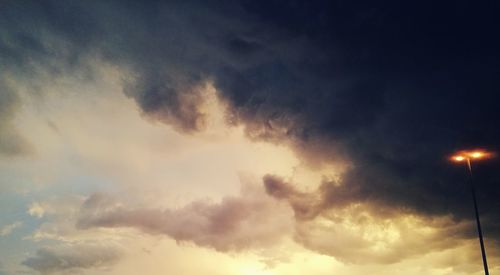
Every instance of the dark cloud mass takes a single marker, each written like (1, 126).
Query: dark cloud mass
(391, 87)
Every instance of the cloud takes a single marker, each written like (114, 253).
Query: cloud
(11, 142)
(375, 86)
(356, 234)
(304, 205)
(73, 257)
(361, 231)
(308, 205)
(247, 221)
(7, 229)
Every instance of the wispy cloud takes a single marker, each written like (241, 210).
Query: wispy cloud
(235, 223)
(8, 229)
(73, 257)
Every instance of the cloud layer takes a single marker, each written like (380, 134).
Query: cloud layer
(355, 84)
(248, 221)
(388, 90)
(363, 232)
(73, 257)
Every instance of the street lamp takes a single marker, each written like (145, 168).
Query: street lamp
(468, 157)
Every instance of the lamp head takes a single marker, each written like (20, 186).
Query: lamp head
(465, 155)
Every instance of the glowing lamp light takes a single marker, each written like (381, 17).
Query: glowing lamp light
(469, 155)
(458, 158)
(477, 155)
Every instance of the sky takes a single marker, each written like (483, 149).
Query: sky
(247, 137)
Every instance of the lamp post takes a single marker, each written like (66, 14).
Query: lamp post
(468, 157)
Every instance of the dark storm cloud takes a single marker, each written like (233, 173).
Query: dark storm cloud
(391, 87)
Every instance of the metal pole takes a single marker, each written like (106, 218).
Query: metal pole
(479, 231)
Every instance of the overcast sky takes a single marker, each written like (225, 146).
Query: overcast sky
(247, 137)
